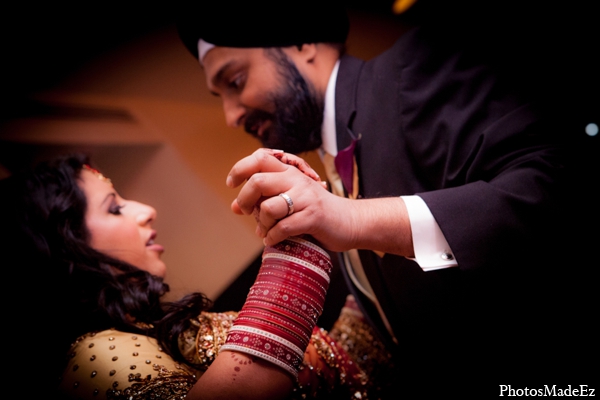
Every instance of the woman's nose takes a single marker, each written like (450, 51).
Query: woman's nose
(146, 214)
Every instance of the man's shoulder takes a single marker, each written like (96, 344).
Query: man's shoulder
(353, 68)
(349, 65)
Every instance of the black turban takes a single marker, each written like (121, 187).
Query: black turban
(262, 24)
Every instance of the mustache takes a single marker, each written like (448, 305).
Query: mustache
(295, 125)
(255, 118)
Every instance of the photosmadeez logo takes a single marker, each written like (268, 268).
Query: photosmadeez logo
(548, 390)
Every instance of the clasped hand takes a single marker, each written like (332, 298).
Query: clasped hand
(316, 211)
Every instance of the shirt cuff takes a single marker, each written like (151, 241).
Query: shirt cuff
(431, 248)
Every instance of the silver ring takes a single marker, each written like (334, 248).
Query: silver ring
(289, 202)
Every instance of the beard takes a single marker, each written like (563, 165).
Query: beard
(298, 117)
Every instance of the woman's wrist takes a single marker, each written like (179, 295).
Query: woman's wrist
(284, 303)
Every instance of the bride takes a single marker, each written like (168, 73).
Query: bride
(123, 341)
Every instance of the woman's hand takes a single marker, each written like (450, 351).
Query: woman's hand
(338, 223)
(316, 211)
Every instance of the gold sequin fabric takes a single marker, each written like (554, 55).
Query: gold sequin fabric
(349, 362)
(339, 364)
(117, 365)
(169, 385)
(120, 365)
(360, 341)
(201, 343)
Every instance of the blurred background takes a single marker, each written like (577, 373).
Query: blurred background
(113, 80)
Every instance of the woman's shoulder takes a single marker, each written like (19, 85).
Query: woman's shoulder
(112, 364)
(201, 343)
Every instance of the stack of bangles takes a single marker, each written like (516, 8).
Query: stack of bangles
(284, 303)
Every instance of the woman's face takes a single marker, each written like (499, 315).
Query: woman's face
(120, 228)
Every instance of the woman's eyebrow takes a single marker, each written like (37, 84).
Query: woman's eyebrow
(113, 195)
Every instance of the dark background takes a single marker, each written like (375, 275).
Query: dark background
(551, 48)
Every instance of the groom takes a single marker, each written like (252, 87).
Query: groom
(442, 173)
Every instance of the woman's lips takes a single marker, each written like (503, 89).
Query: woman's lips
(154, 246)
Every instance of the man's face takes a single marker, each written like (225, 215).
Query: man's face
(263, 90)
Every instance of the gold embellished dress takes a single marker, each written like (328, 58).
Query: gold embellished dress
(120, 365)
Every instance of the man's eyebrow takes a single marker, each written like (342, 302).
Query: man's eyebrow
(218, 77)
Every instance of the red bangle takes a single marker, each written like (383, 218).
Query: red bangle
(290, 295)
(277, 276)
(265, 345)
(274, 264)
(284, 303)
(287, 331)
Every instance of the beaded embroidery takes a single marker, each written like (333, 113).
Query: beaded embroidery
(341, 364)
(168, 385)
(200, 345)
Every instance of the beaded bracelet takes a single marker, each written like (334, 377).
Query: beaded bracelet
(284, 303)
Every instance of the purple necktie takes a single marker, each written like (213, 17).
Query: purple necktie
(344, 164)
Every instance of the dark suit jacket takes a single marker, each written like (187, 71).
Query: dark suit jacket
(436, 121)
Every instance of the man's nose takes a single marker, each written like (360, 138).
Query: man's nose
(234, 113)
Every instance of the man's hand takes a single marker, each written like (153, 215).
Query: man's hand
(338, 223)
(268, 173)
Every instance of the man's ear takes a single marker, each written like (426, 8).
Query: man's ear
(309, 51)
(315, 61)
(304, 53)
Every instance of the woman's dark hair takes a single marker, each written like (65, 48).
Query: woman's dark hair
(91, 291)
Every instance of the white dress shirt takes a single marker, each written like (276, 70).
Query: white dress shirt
(431, 248)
